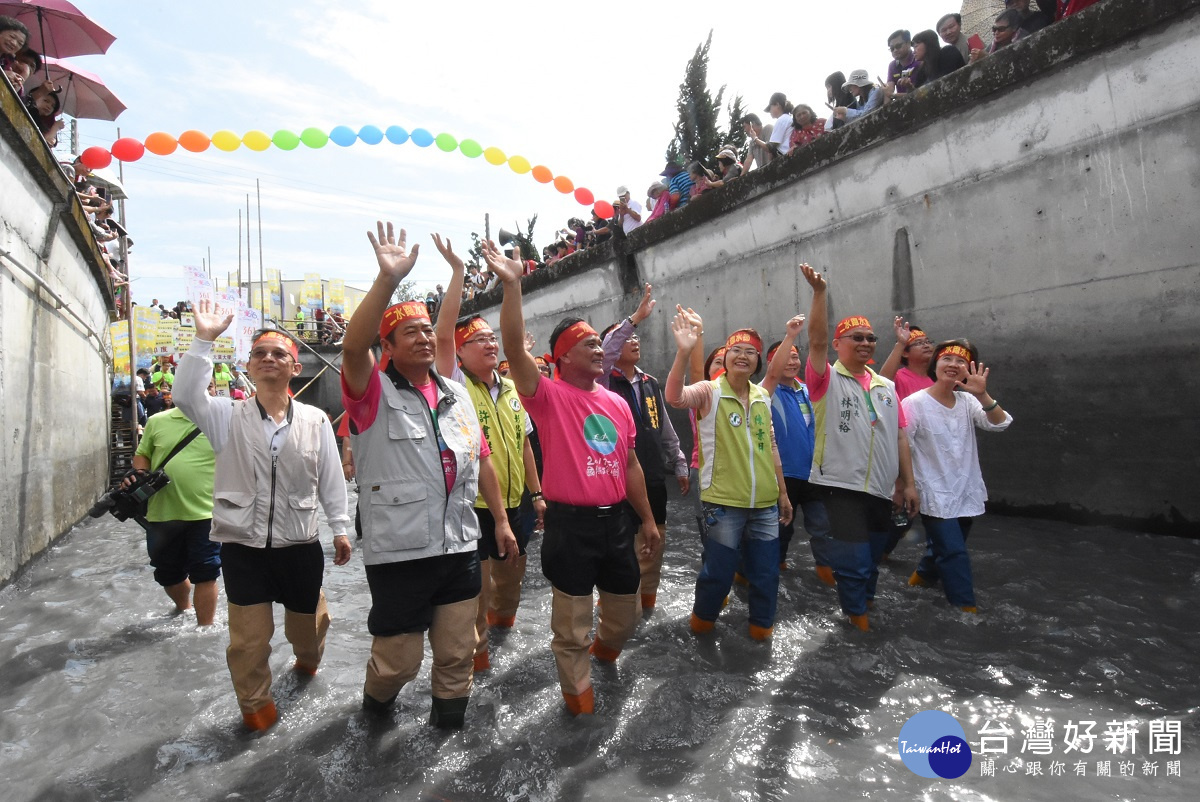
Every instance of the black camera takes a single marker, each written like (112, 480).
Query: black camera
(124, 503)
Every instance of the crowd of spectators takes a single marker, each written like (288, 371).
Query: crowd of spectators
(43, 100)
(916, 61)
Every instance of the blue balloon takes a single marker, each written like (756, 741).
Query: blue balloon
(397, 135)
(422, 138)
(370, 134)
(343, 135)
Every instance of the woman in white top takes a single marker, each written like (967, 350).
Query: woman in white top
(941, 430)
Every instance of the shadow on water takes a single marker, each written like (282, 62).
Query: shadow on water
(30, 665)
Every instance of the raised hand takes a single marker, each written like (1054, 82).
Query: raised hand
(447, 252)
(393, 257)
(691, 316)
(506, 269)
(686, 335)
(903, 332)
(975, 381)
(645, 307)
(529, 341)
(210, 323)
(795, 325)
(815, 280)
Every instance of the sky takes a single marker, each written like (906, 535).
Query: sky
(588, 91)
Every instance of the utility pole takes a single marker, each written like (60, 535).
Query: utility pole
(133, 396)
(261, 281)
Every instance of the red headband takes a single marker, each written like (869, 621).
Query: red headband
(771, 353)
(956, 350)
(572, 337)
(395, 315)
(852, 322)
(282, 340)
(467, 330)
(744, 337)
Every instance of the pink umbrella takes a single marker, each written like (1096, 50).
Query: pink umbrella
(57, 28)
(84, 94)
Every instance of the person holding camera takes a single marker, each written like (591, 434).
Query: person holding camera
(277, 458)
(628, 211)
(186, 562)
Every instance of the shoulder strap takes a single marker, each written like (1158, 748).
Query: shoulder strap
(180, 446)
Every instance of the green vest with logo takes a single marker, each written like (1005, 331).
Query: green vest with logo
(503, 423)
(737, 464)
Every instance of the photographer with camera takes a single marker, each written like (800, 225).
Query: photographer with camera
(186, 563)
(628, 211)
(277, 458)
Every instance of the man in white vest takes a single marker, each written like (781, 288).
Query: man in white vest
(861, 465)
(421, 460)
(276, 458)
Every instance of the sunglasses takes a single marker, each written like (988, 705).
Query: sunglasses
(862, 338)
(999, 28)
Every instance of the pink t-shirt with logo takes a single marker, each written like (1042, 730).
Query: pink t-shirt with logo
(586, 437)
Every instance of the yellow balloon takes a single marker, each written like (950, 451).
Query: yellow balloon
(226, 140)
(256, 140)
(520, 165)
(495, 156)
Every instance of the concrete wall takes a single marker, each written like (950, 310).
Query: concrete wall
(1043, 202)
(54, 408)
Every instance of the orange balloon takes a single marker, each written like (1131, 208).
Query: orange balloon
(542, 174)
(194, 141)
(161, 144)
(564, 185)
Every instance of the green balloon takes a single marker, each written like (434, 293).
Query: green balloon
(446, 142)
(314, 137)
(285, 140)
(470, 148)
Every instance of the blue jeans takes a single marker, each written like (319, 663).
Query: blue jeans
(855, 567)
(806, 501)
(946, 558)
(729, 528)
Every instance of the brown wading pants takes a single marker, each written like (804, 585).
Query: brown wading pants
(500, 597)
(651, 567)
(249, 651)
(396, 659)
(571, 623)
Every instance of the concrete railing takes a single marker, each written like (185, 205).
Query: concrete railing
(55, 303)
(1041, 202)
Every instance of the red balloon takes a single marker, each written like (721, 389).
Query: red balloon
(95, 158)
(584, 196)
(128, 149)
(604, 209)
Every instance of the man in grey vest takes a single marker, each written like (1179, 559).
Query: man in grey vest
(421, 460)
(276, 458)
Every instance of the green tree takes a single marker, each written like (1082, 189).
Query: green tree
(735, 137)
(407, 291)
(697, 134)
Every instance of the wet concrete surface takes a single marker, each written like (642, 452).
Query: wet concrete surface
(104, 695)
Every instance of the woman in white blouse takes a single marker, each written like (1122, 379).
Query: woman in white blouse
(941, 430)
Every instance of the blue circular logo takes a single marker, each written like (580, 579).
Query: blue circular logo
(600, 434)
(933, 744)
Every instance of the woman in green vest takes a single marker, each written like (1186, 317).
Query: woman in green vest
(742, 487)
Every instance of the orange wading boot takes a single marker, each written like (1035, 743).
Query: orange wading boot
(861, 622)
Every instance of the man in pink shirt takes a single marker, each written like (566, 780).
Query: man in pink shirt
(421, 461)
(590, 478)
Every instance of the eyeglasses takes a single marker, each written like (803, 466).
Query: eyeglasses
(740, 352)
(862, 338)
(916, 343)
(483, 340)
(274, 353)
(633, 338)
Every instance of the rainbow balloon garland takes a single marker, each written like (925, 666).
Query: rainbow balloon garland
(128, 149)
